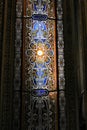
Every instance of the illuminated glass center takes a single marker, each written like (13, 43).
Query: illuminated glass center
(39, 53)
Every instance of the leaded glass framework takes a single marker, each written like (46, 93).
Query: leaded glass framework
(39, 65)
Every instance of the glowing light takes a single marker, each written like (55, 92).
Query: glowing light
(40, 53)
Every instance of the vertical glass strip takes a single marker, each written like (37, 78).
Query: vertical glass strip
(17, 66)
(40, 110)
(62, 119)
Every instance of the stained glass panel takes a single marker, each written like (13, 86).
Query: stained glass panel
(40, 65)
(44, 7)
(39, 57)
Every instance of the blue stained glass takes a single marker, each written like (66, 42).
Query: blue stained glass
(44, 7)
(39, 28)
(35, 8)
(40, 64)
(40, 72)
(40, 81)
(36, 26)
(40, 25)
(36, 40)
(43, 27)
(39, 17)
(39, 69)
(45, 81)
(35, 66)
(43, 40)
(35, 81)
(40, 92)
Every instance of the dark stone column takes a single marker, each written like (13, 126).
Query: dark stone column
(1, 41)
(71, 56)
(7, 65)
(83, 5)
(1, 31)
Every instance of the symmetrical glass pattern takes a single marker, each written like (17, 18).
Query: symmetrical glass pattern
(37, 51)
(39, 64)
(62, 117)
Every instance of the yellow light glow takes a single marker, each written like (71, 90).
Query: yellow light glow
(40, 53)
